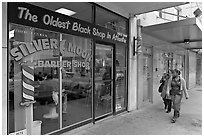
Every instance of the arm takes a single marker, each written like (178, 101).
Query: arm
(184, 88)
(168, 86)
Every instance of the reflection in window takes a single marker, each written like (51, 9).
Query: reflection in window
(120, 77)
(35, 48)
(110, 20)
(76, 83)
(103, 79)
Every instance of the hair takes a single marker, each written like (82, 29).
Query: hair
(177, 71)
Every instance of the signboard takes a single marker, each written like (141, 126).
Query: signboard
(30, 15)
(20, 132)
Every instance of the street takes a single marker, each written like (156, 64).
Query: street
(151, 120)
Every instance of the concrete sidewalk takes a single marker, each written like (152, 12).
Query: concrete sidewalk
(151, 120)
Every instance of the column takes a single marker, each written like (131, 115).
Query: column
(132, 65)
(4, 69)
(139, 56)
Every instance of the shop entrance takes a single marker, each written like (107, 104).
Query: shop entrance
(103, 80)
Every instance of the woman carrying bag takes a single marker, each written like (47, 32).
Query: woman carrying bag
(176, 88)
(166, 99)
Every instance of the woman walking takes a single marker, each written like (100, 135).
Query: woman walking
(166, 98)
(176, 87)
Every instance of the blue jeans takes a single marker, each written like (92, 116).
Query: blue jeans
(176, 99)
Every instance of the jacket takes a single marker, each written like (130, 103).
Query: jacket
(183, 86)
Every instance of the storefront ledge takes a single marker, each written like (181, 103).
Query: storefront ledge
(78, 130)
(87, 126)
(112, 117)
(74, 128)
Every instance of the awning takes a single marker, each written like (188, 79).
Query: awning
(136, 8)
(184, 33)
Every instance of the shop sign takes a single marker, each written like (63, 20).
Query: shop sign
(65, 64)
(30, 15)
(20, 132)
(118, 107)
(23, 49)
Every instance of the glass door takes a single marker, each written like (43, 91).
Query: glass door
(103, 80)
(76, 81)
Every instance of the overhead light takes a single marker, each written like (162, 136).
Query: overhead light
(197, 12)
(65, 11)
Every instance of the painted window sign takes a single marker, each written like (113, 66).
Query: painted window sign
(24, 49)
(34, 16)
(37, 45)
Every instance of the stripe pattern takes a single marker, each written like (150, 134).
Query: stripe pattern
(28, 83)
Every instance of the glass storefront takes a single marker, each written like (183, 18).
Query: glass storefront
(111, 20)
(34, 47)
(76, 79)
(59, 75)
(120, 78)
(103, 79)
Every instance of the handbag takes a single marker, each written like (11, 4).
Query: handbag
(161, 87)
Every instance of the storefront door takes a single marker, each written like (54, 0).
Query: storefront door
(103, 80)
(76, 97)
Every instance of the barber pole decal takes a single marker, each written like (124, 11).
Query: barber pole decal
(28, 83)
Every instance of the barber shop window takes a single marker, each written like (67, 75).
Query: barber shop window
(33, 72)
(76, 79)
(110, 20)
(121, 75)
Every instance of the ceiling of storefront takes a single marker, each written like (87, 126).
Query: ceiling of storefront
(150, 41)
(184, 33)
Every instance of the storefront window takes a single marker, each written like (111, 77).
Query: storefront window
(121, 74)
(103, 79)
(110, 20)
(38, 49)
(76, 78)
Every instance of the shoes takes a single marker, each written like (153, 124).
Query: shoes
(173, 120)
(168, 111)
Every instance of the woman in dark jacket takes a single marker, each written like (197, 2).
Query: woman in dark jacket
(165, 97)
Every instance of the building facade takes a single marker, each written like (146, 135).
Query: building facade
(64, 71)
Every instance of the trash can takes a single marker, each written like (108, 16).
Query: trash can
(36, 127)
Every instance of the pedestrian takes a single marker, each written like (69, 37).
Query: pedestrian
(166, 98)
(176, 88)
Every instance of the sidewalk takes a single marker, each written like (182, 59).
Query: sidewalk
(151, 120)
